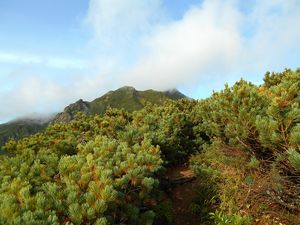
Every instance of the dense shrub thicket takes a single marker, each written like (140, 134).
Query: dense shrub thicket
(94, 170)
(105, 169)
(252, 158)
(265, 119)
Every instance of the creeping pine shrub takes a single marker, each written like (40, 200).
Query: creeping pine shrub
(254, 163)
(207, 196)
(294, 158)
(98, 180)
(223, 219)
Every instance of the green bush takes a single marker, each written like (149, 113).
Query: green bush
(294, 159)
(221, 219)
(103, 169)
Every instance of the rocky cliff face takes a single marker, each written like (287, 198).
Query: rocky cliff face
(70, 111)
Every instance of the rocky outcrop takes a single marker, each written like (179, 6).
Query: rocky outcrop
(70, 111)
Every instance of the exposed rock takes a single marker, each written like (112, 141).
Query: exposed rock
(70, 111)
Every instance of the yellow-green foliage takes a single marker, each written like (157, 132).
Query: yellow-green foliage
(106, 179)
(294, 159)
(170, 127)
(103, 169)
(264, 120)
(231, 114)
(95, 170)
(279, 129)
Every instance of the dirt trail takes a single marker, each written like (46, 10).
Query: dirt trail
(183, 192)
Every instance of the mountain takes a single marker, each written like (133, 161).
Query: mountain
(20, 128)
(71, 110)
(127, 98)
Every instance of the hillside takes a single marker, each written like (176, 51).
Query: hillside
(20, 128)
(230, 159)
(126, 98)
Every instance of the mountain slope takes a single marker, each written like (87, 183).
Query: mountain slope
(20, 128)
(127, 98)
(71, 110)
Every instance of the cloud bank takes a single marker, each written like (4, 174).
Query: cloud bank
(136, 43)
(181, 52)
(214, 42)
(52, 62)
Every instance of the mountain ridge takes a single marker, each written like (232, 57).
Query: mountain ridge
(126, 97)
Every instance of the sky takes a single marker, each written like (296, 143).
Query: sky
(54, 52)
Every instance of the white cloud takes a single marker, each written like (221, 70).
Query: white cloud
(213, 43)
(30, 92)
(180, 52)
(166, 54)
(118, 27)
(27, 93)
(48, 61)
(66, 63)
(275, 36)
(118, 21)
(8, 57)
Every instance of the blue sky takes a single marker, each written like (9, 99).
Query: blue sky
(53, 52)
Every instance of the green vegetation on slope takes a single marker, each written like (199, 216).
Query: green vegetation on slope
(243, 143)
(126, 98)
(99, 170)
(123, 98)
(131, 100)
(254, 155)
(19, 129)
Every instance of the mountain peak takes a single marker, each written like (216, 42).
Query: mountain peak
(126, 88)
(126, 97)
(175, 94)
(71, 110)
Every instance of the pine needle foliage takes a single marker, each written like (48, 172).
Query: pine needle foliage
(106, 169)
(93, 170)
